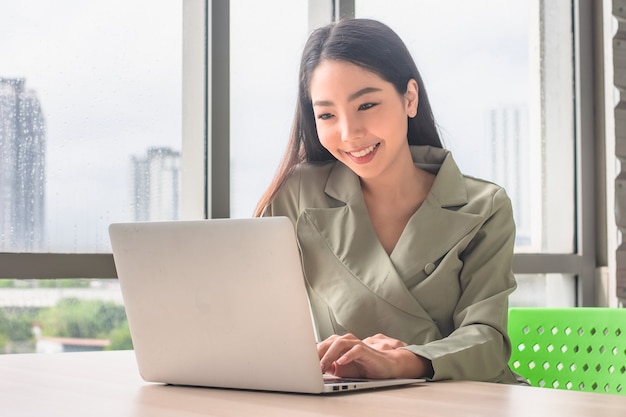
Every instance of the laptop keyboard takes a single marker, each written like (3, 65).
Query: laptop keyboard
(331, 379)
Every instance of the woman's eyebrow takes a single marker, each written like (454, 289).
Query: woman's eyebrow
(352, 97)
(362, 92)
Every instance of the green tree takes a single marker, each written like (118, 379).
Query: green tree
(120, 338)
(63, 283)
(17, 323)
(72, 317)
(16, 326)
(4, 323)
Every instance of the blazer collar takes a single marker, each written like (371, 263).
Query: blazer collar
(347, 232)
(448, 189)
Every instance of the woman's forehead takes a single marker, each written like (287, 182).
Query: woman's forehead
(336, 76)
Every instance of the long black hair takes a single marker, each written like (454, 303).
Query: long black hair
(371, 45)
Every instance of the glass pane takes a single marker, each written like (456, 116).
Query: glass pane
(499, 77)
(90, 120)
(64, 315)
(544, 290)
(267, 38)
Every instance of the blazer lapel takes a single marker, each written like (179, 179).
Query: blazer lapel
(346, 264)
(347, 232)
(345, 268)
(422, 243)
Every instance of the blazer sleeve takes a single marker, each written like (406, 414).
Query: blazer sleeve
(479, 348)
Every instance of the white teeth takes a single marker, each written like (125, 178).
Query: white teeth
(363, 152)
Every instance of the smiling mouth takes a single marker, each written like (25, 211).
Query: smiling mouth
(364, 152)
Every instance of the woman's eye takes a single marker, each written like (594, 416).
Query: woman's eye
(367, 106)
(324, 116)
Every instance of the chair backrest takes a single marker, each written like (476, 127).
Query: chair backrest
(582, 349)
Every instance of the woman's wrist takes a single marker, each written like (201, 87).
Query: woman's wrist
(411, 365)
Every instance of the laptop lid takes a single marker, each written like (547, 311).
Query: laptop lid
(219, 303)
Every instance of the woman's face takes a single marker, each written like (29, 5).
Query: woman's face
(360, 118)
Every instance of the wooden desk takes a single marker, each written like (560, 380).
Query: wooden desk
(107, 384)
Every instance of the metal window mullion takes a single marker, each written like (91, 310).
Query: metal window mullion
(218, 140)
(343, 9)
(194, 110)
(541, 263)
(323, 13)
(585, 149)
(56, 265)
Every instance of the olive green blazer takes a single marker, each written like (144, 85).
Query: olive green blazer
(444, 288)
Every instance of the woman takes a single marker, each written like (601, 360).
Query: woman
(407, 261)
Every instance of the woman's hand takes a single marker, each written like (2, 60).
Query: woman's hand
(374, 357)
(382, 342)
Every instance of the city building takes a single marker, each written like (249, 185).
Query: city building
(509, 157)
(155, 185)
(22, 167)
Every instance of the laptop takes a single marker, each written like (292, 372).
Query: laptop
(221, 303)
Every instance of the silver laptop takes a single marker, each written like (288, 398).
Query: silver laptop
(221, 303)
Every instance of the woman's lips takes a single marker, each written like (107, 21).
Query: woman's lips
(364, 155)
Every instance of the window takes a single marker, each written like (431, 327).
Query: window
(91, 98)
(265, 54)
(501, 83)
(90, 134)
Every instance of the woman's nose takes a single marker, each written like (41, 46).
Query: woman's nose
(351, 128)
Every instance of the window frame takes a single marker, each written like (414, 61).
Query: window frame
(590, 227)
(590, 263)
(194, 188)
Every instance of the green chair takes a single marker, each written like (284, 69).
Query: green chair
(582, 349)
